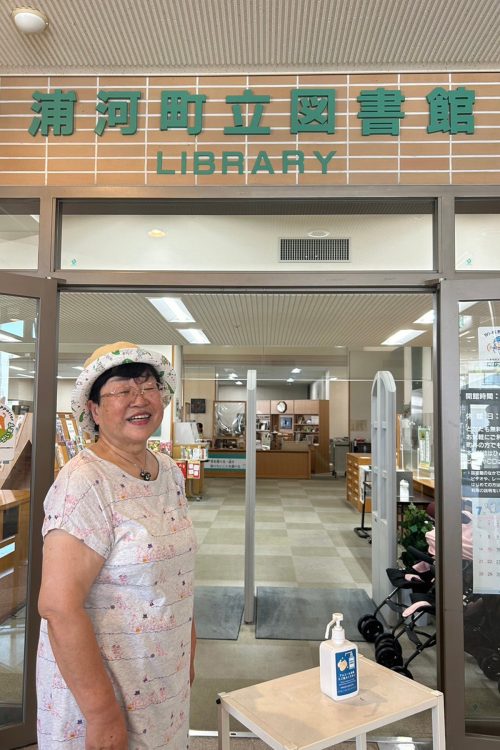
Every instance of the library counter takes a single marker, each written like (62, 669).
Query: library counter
(277, 464)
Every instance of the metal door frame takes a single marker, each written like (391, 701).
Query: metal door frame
(448, 519)
(42, 476)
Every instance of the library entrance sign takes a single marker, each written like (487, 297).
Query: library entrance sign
(310, 111)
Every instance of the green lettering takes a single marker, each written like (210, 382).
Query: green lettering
(324, 160)
(203, 162)
(262, 164)
(293, 159)
(159, 165)
(233, 159)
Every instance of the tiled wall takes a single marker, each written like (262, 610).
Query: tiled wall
(413, 157)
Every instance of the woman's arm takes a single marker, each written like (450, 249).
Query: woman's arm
(69, 569)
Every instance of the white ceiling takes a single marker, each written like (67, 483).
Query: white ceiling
(273, 332)
(180, 36)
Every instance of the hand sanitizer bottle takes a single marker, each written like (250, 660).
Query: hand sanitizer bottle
(338, 662)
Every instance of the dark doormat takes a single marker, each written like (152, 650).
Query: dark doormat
(302, 614)
(218, 611)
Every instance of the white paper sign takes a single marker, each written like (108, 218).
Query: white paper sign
(488, 339)
(486, 545)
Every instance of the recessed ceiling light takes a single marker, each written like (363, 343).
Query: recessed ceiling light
(78, 368)
(238, 382)
(402, 337)
(156, 233)
(318, 233)
(194, 335)
(13, 367)
(334, 378)
(296, 370)
(172, 309)
(426, 319)
(232, 376)
(290, 380)
(30, 20)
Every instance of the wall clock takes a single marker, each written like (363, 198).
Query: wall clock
(281, 407)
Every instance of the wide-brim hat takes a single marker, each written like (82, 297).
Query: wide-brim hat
(112, 355)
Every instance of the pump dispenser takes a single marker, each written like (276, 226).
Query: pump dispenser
(338, 662)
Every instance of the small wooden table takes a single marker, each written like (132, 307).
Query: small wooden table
(291, 713)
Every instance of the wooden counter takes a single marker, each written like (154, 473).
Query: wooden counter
(423, 485)
(270, 464)
(284, 464)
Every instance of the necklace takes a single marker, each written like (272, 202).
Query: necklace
(143, 473)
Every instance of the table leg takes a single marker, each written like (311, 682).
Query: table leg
(222, 726)
(438, 731)
(361, 742)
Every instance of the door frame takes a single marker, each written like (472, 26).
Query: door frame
(448, 523)
(42, 475)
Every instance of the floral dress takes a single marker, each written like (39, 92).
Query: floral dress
(141, 603)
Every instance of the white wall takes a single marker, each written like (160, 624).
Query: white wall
(242, 243)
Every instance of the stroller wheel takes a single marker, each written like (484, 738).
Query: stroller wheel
(387, 656)
(491, 666)
(387, 639)
(402, 670)
(369, 627)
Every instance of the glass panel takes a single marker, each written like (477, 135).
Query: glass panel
(477, 234)
(480, 461)
(18, 320)
(340, 237)
(19, 229)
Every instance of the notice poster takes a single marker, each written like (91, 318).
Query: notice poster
(488, 339)
(480, 442)
(486, 546)
(424, 447)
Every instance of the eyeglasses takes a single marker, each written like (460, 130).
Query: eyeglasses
(148, 391)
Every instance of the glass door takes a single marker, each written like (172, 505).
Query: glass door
(28, 356)
(469, 524)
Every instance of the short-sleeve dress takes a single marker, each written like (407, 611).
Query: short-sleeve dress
(141, 603)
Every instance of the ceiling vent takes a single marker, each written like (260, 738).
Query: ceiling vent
(315, 250)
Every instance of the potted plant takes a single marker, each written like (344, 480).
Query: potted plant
(415, 524)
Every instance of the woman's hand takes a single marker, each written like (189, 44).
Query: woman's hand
(107, 732)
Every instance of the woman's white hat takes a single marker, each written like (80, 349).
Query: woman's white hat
(112, 355)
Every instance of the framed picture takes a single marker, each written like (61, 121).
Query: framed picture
(285, 423)
(198, 406)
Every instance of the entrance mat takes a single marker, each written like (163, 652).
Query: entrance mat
(218, 611)
(295, 614)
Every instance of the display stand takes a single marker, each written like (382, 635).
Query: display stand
(292, 713)
(190, 458)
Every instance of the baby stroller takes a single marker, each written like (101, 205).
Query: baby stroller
(419, 580)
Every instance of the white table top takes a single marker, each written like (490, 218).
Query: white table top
(292, 712)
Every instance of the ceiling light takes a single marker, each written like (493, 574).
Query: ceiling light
(232, 376)
(290, 380)
(172, 309)
(78, 368)
(156, 233)
(30, 20)
(194, 335)
(402, 337)
(238, 382)
(296, 370)
(13, 367)
(333, 379)
(318, 233)
(5, 337)
(426, 319)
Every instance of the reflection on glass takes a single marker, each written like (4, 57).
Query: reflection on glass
(480, 465)
(17, 348)
(19, 230)
(230, 423)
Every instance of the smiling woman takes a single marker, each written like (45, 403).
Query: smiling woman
(117, 633)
